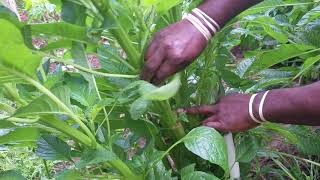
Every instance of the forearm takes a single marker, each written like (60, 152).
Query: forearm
(224, 10)
(293, 105)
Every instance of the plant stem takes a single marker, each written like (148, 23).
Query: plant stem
(169, 119)
(119, 33)
(46, 168)
(103, 74)
(48, 93)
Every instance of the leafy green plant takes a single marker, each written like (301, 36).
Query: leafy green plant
(110, 124)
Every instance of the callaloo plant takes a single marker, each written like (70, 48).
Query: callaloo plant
(104, 120)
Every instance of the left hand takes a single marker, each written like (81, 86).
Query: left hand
(230, 114)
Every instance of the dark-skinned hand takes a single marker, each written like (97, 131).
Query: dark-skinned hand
(230, 114)
(171, 50)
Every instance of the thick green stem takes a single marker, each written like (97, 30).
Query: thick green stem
(48, 93)
(119, 33)
(169, 119)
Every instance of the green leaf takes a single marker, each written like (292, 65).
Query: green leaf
(52, 148)
(208, 144)
(267, 59)
(199, 176)
(189, 173)
(308, 64)
(11, 42)
(162, 5)
(283, 131)
(140, 127)
(247, 150)
(11, 175)
(62, 29)
(162, 93)
(43, 105)
(92, 157)
(313, 14)
(69, 174)
(138, 108)
(6, 124)
(20, 135)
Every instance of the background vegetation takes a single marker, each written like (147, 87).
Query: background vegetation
(72, 105)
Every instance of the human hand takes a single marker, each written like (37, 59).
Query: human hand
(230, 114)
(171, 50)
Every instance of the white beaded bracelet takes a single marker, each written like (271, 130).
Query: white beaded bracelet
(261, 106)
(201, 28)
(198, 13)
(251, 109)
(196, 22)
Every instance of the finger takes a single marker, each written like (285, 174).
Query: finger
(163, 73)
(213, 123)
(152, 65)
(203, 110)
(150, 50)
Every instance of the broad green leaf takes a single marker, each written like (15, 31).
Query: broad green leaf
(92, 157)
(6, 124)
(53, 148)
(162, 93)
(138, 108)
(11, 175)
(189, 173)
(85, 95)
(199, 176)
(44, 105)
(208, 144)
(70, 174)
(11, 42)
(162, 5)
(62, 29)
(267, 59)
(20, 135)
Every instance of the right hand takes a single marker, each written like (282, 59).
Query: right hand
(171, 50)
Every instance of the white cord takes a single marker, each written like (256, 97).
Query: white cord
(251, 111)
(197, 24)
(208, 17)
(198, 13)
(261, 106)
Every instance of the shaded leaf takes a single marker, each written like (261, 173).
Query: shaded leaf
(269, 58)
(138, 108)
(20, 135)
(92, 157)
(52, 148)
(11, 175)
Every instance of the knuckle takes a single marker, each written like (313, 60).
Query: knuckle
(150, 66)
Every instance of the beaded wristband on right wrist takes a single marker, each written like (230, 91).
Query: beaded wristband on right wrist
(209, 23)
(261, 105)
